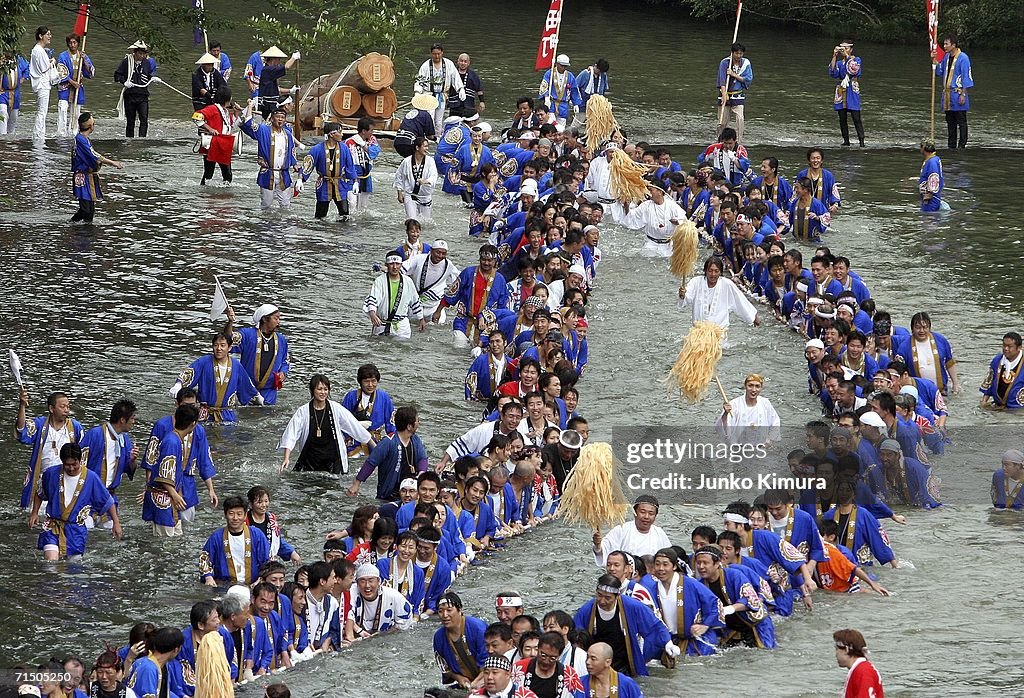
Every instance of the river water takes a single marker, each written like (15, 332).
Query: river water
(117, 308)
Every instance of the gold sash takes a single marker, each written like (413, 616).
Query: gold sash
(232, 573)
(467, 664)
(623, 623)
(261, 380)
(56, 526)
(939, 379)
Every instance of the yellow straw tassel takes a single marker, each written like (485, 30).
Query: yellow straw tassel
(213, 678)
(684, 250)
(695, 367)
(593, 495)
(601, 123)
(627, 178)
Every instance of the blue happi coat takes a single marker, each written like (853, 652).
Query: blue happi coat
(215, 559)
(460, 297)
(413, 593)
(847, 72)
(825, 189)
(560, 100)
(85, 165)
(196, 457)
(637, 621)
(249, 343)
(868, 538)
(64, 88)
(1006, 492)
(269, 178)
(336, 171)
(931, 181)
(36, 433)
(10, 84)
(218, 400)
(64, 526)
(955, 72)
(737, 588)
(699, 606)
(470, 659)
(94, 454)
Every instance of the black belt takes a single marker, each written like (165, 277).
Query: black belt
(605, 201)
(660, 242)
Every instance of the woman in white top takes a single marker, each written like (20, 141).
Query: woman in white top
(415, 180)
(39, 69)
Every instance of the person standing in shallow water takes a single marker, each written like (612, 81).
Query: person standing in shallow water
(845, 67)
(863, 680)
(85, 167)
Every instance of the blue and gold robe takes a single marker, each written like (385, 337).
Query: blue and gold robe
(931, 181)
(269, 178)
(146, 678)
(36, 432)
(733, 586)
(196, 457)
(165, 469)
(94, 455)
(461, 295)
(218, 398)
(1007, 493)
(250, 343)
(336, 171)
(64, 526)
(825, 190)
(695, 604)
(847, 72)
(187, 658)
(466, 656)
(1005, 388)
(85, 167)
(955, 72)
(637, 621)
(64, 88)
(867, 537)
(215, 559)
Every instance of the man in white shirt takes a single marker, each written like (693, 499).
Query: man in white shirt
(392, 301)
(321, 607)
(657, 218)
(40, 70)
(431, 273)
(637, 537)
(714, 298)
(376, 609)
(476, 439)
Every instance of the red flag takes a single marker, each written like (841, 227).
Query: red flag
(932, 7)
(82, 21)
(549, 38)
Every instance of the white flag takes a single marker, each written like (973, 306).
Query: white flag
(220, 301)
(15, 366)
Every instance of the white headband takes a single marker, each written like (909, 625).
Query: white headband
(735, 518)
(506, 601)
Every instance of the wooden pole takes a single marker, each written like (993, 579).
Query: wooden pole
(297, 128)
(721, 388)
(725, 87)
(931, 137)
(73, 104)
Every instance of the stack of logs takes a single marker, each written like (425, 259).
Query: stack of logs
(361, 89)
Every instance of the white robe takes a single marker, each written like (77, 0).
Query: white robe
(625, 537)
(430, 280)
(755, 425)
(408, 306)
(395, 612)
(715, 304)
(345, 424)
(657, 223)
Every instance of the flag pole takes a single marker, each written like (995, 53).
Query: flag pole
(554, 55)
(932, 130)
(73, 104)
(202, 24)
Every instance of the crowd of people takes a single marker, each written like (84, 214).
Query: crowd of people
(537, 202)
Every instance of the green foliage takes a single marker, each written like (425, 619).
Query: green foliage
(359, 26)
(12, 27)
(988, 22)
